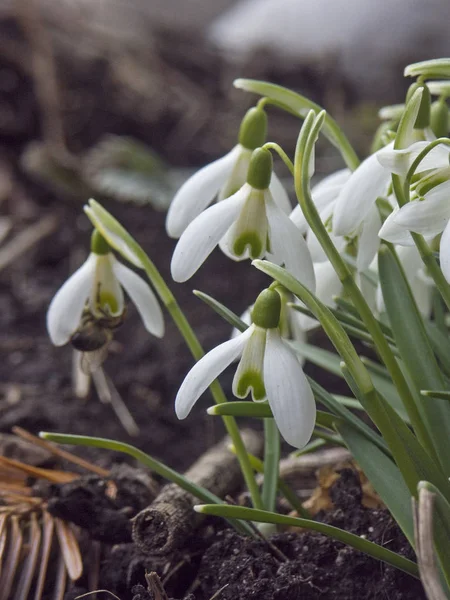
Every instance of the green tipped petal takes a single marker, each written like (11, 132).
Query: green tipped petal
(249, 240)
(249, 374)
(251, 381)
(253, 130)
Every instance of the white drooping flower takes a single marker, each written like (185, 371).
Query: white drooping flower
(97, 287)
(268, 368)
(428, 216)
(248, 224)
(223, 177)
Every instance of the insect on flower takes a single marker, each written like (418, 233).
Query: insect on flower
(90, 307)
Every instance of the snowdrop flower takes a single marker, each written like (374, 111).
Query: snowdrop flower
(268, 368)
(96, 287)
(428, 216)
(358, 196)
(247, 224)
(400, 161)
(223, 177)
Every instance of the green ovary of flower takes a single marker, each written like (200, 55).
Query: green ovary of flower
(251, 381)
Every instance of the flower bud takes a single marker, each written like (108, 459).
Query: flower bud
(267, 309)
(253, 130)
(439, 118)
(99, 245)
(260, 169)
(423, 116)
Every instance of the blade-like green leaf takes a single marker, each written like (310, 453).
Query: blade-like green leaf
(415, 349)
(262, 410)
(441, 527)
(222, 310)
(153, 464)
(331, 363)
(440, 343)
(383, 474)
(355, 541)
(321, 395)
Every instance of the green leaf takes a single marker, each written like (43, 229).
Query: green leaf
(440, 343)
(383, 474)
(261, 410)
(331, 363)
(441, 527)
(222, 310)
(321, 395)
(147, 460)
(443, 394)
(436, 68)
(300, 106)
(355, 541)
(415, 349)
(258, 410)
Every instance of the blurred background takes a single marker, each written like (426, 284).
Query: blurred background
(121, 100)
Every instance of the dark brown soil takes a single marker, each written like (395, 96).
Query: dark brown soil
(307, 565)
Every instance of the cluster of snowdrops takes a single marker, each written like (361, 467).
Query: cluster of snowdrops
(365, 254)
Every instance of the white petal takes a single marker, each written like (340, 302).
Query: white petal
(324, 193)
(400, 161)
(288, 391)
(279, 194)
(238, 175)
(369, 241)
(206, 370)
(246, 318)
(392, 232)
(204, 233)
(106, 292)
(143, 298)
(288, 246)
(359, 194)
(421, 285)
(197, 192)
(318, 254)
(66, 308)
(429, 216)
(444, 253)
(328, 285)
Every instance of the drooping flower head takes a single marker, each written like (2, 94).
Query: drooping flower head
(248, 224)
(223, 177)
(268, 369)
(96, 288)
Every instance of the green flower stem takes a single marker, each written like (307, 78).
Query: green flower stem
(105, 223)
(355, 541)
(305, 146)
(271, 463)
(283, 487)
(147, 460)
(282, 154)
